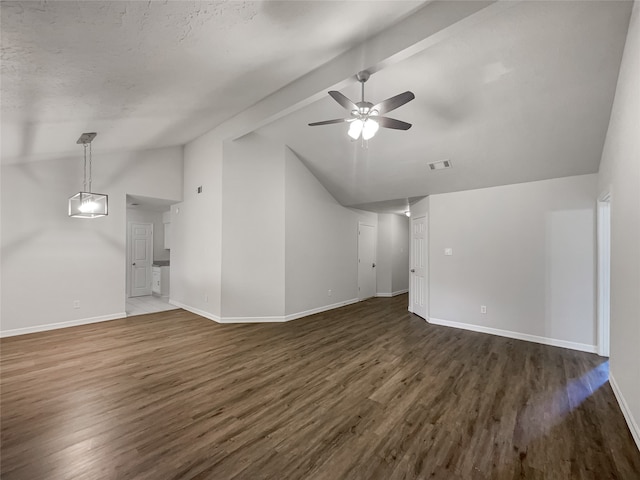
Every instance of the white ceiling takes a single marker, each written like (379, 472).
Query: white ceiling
(518, 95)
(157, 73)
(525, 95)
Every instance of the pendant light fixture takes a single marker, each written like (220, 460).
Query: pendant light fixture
(86, 204)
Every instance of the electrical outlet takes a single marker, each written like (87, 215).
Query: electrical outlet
(328, 293)
(483, 309)
(448, 251)
(76, 304)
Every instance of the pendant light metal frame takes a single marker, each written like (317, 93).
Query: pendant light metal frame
(87, 204)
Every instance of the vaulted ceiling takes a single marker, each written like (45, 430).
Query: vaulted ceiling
(153, 74)
(508, 91)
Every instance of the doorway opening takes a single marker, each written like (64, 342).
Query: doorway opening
(366, 261)
(148, 255)
(604, 273)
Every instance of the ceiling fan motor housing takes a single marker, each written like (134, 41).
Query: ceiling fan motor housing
(363, 76)
(364, 108)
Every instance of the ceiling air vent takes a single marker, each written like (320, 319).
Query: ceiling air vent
(440, 165)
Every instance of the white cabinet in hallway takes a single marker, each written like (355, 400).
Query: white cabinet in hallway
(160, 281)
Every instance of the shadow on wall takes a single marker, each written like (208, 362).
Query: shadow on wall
(21, 242)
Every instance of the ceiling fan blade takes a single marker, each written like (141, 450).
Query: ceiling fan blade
(387, 122)
(329, 122)
(342, 100)
(393, 102)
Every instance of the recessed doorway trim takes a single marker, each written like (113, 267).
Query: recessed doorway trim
(604, 272)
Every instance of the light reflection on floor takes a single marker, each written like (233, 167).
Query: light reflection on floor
(549, 408)
(578, 390)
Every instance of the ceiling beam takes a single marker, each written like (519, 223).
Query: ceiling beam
(428, 26)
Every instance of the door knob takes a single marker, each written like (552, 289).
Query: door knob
(373, 265)
(134, 263)
(413, 270)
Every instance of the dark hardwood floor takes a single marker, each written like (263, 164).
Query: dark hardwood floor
(367, 391)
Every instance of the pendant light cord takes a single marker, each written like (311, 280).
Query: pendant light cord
(87, 182)
(84, 183)
(90, 162)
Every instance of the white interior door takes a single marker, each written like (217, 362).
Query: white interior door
(366, 261)
(418, 280)
(140, 258)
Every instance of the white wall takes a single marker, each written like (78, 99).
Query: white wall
(420, 208)
(620, 175)
(321, 243)
(55, 259)
(526, 251)
(196, 223)
(253, 228)
(265, 240)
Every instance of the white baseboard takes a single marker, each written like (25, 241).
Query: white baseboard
(313, 311)
(583, 347)
(197, 311)
(55, 326)
(271, 319)
(392, 294)
(631, 422)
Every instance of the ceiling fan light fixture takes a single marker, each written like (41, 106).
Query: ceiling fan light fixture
(355, 129)
(366, 118)
(370, 128)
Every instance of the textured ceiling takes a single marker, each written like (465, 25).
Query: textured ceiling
(157, 73)
(519, 91)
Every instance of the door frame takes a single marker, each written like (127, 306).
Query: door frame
(375, 258)
(604, 272)
(128, 256)
(426, 257)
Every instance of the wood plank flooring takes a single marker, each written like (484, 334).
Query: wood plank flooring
(367, 391)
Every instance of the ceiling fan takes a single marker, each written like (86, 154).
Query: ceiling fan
(365, 116)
